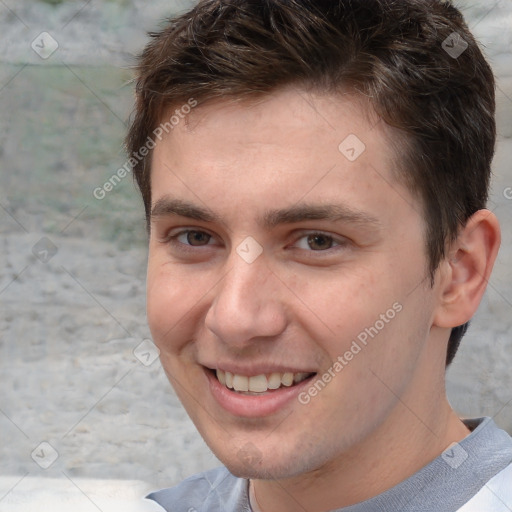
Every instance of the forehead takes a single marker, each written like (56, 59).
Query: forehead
(277, 115)
(281, 148)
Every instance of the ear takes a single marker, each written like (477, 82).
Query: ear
(465, 271)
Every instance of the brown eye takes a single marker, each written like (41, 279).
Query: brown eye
(319, 242)
(189, 241)
(197, 238)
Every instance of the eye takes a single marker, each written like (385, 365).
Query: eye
(312, 242)
(318, 242)
(189, 237)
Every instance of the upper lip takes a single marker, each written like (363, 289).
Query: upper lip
(254, 369)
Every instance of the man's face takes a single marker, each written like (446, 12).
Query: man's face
(306, 253)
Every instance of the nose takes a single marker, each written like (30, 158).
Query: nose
(247, 305)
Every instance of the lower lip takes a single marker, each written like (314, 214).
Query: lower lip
(254, 406)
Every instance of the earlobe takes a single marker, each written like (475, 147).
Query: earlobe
(467, 268)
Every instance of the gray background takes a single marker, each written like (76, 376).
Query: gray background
(70, 321)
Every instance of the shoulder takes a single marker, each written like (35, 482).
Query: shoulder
(495, 495)
(213, 490)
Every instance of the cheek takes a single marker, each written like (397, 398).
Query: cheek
(394, 349)
(337, 304)
(171, 302)
(367, 314)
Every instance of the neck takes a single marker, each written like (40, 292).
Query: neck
(400, 447)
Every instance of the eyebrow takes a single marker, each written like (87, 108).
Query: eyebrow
(165, 207)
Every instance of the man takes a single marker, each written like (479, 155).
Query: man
(314, 175)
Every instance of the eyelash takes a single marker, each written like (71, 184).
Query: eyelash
(173, 241)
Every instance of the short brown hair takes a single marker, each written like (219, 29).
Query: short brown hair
(394, 52)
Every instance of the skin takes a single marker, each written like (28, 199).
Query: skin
(300, 303)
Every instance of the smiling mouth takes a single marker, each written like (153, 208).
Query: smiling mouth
(259, 384)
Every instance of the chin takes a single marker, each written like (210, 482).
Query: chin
(249, 462)
(261, 471)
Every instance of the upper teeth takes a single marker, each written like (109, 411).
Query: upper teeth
(259, 383)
